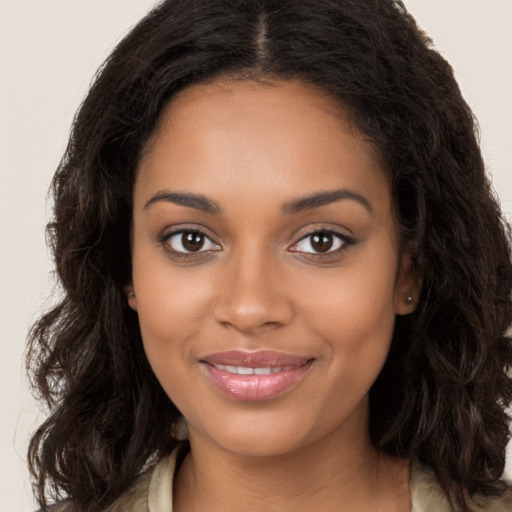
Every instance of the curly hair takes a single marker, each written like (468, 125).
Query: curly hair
(443, 393)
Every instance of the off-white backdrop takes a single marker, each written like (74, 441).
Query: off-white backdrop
(49, 51)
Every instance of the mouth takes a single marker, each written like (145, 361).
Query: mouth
(253, 376)
(247, 370)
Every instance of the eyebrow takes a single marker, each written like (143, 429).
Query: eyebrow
(324, 198)
(315, 200)
(196, 201)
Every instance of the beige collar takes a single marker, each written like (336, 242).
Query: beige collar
(153, 491)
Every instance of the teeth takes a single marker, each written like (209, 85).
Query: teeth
(245, 370)
(262, 371)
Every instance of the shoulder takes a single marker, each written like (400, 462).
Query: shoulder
(428, 495)
(426, 492)
(503, 504)
(152, 491)
(135, 499)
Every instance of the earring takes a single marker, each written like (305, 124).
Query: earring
(409, 300)
(130, 295)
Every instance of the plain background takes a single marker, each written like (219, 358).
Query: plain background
(49, 52)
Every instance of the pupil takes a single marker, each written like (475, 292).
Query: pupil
(192, 241)
(322, 242)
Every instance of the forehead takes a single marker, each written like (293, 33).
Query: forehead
(285, 138)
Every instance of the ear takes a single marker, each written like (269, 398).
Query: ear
(408, 286)
(130, 295)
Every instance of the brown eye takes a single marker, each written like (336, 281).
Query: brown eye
(322, 242)
(186, 242)
(192, 242)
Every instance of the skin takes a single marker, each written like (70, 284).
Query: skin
(258, 283)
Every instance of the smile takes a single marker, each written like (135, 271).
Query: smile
(247, 370)
(253, 376)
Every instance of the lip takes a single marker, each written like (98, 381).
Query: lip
(286, 370)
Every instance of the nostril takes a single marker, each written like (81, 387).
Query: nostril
(251, 297)
(249, 320)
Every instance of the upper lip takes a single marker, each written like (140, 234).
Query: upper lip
(259, 359)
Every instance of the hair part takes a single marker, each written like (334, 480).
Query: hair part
(444, 390)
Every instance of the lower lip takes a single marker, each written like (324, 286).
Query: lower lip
(255, 387)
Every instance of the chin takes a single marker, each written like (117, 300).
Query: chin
(269, 433)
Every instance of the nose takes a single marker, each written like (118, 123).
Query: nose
(252, 299)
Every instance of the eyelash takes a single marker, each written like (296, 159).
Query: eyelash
(167, 237)
(344, 240)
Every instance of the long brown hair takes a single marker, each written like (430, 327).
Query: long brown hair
(443, 393)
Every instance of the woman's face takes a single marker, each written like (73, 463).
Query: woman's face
(266, 265)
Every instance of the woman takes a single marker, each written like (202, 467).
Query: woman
(286, 280)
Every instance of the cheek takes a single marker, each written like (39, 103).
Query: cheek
(172, 306)
(171, 309)
(352, 301)
(353, 311)
(356, 325)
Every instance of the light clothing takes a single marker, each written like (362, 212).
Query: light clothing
(426, 493)
(153, 492)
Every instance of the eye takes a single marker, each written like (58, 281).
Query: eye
(321, 242)
(189, 241)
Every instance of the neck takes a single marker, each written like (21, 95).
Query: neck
(330, 472)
